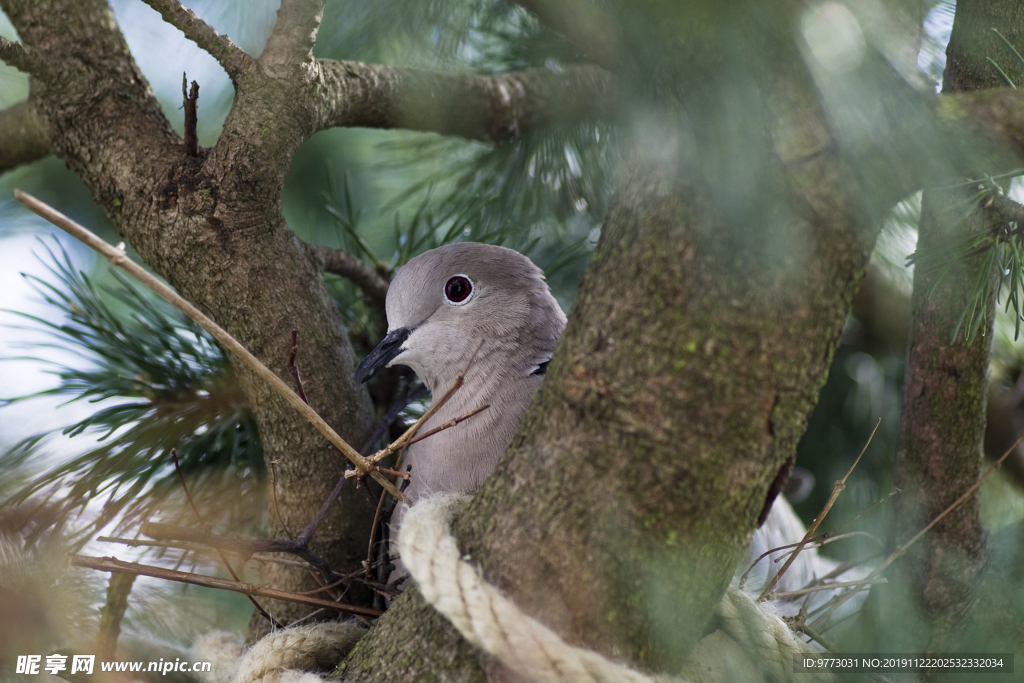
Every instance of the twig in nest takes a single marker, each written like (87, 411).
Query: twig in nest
(900, 550)
(824, 587)
(837, 489)
(895, 492)
(802, 628)
(196, 548)
(826, 538)
(242, 546)
(202, 522)
(190, 101)
(817, 542)
(409, 395)
(295, 370)
(120, 259)
(407, 437)
(373, 535)
(847, 566)
(112, 564)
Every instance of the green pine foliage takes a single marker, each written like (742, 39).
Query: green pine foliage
(159, 382)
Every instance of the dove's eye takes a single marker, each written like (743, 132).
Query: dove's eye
(458, 290)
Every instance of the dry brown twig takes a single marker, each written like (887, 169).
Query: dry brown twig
(112, 564)
(836, 490)
(197, 548)
(120, 259)
(816, 542)
(220, 553)
(901, 549)
(826, 587)
(406, 439)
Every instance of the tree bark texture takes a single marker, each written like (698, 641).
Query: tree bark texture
(946, 382)
(625, 501)
(701, 336)
(212, 226)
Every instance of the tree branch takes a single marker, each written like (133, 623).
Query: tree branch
(233, 58)
(291, 43)
(114, 565)
(23, 136)
(493, 109)
(340, 262)
(995, 112)
(18, 56)
(584, 26)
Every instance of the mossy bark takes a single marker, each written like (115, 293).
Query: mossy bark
(694, 353)
(945, 387)
(212, 226)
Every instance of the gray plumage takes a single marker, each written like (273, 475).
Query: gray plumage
(509, 321)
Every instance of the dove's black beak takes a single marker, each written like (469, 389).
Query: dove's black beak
(378, 359)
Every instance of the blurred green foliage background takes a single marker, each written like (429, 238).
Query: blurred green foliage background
(115, 379)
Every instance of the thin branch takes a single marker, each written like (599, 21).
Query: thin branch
(450, 423)
(242, 546)
(19, 56)
(825, 587)
(814, 636)
(292, 368)
(291, 44)
(112, 613)
(374, 526)
(847, 566)
(582, 24)
(816, 542)
(190, 102)
(119, 258)
(340, 262)
(406, 438)
(23, 136)
(112, 564)
(895, 492)
(899, 551)
(409, 395)
(492, 109)
(233, 58)
(836, 490)
(196, 548)
(204, 525)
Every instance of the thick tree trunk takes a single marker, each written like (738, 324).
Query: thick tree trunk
(212, 226)
(697, 347)
(693, 356)
(945, 388)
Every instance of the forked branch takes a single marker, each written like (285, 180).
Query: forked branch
(290, 46)
(19, 56)
(233, 58)
(493, 109)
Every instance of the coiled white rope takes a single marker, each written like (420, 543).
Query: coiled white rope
(492, 622)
